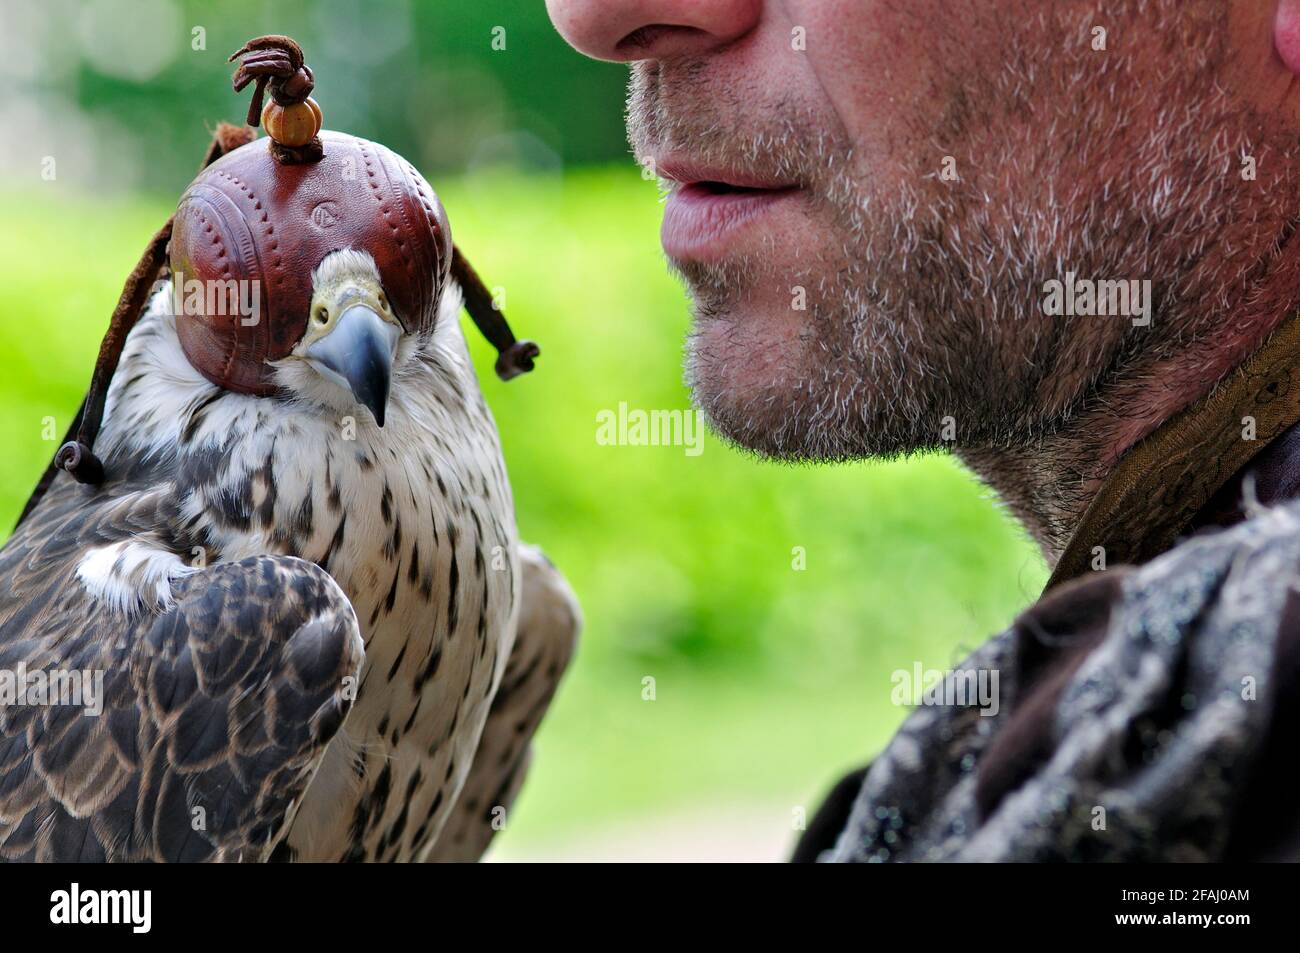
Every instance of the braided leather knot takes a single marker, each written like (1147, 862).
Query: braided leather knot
(292, 118)
(294, 89)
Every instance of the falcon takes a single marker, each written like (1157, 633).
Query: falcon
(389, 563)
(292, 564)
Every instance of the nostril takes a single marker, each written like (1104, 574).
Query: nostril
(643, 38)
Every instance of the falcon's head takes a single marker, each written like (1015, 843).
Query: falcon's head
(347, 260)
(348, 353)
(352, 260)
(349, 255)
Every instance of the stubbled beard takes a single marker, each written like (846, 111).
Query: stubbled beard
(924, 310)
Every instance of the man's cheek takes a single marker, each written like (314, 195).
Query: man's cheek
(885, 68)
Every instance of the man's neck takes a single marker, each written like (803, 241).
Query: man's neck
(1048, 485)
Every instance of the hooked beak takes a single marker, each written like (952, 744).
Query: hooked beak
(358, 354)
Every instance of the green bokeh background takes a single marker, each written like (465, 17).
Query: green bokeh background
(768, 679)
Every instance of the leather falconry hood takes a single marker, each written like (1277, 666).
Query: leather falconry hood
(269, 211)
(248, 216)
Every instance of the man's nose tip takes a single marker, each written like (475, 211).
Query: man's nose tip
(625, 30)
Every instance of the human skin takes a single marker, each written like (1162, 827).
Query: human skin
(916, 170)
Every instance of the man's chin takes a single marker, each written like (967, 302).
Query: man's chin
(770, 383)
(744, 375)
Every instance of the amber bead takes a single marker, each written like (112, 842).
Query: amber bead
(294, 125)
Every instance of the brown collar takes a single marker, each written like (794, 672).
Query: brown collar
(1189, 472)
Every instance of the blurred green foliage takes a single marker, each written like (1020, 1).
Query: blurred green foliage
(116, 91)
(768, 679)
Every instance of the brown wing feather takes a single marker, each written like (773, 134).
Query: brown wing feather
(216, 710)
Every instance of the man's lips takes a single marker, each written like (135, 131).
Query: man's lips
(710, 209)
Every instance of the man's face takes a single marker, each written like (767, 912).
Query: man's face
(868, 196)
